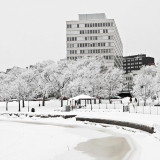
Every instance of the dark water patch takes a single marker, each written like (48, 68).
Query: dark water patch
(108, 148)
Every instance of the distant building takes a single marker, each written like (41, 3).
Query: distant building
(94, 34)
(135, 62)
(131, 65)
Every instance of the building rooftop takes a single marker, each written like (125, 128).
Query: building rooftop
(135, 56)
(94, 16)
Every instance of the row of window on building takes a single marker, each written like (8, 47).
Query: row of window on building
(98, 31)
(82, 25)
(131, 67)
(129, 78)
(77, 57)
(103, 44)
(131, 60)
(93, 31)
(133, 63)
(89, 38)
(90, 51)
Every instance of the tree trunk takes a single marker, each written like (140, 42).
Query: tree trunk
(43, 102)
(23, 103)
(6, 105)
(19, 106)
(61, 92)
(61, 102)
(28, 105)
(99, 100)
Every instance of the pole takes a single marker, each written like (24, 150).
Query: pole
(145, 94)
(91, 105)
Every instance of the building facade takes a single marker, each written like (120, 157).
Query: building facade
(131, 65)
(135, 62)
(94, 34)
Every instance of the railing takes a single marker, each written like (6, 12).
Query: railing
(105, 106)
(155, 110)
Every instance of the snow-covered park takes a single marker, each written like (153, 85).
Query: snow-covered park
(46, 134)
(57, 138)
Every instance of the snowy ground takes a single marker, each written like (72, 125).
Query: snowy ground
(60, 139)
(50, 106)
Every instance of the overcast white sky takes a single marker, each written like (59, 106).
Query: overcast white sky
(34, 30)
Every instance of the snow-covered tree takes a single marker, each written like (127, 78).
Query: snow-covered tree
(5, 88)
(43, 86)
(30, 85)
(95, 78)
(144, 83)
(113, 82)
(58, 76)
(15, 74)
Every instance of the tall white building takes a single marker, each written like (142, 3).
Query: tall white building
(94, 34)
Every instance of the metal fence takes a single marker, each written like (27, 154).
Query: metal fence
(155, 110)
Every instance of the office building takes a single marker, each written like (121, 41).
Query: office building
(135, 62)
(94, 34)
(131, 65)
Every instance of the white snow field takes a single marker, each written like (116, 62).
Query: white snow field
(50, 106)
(38, 138)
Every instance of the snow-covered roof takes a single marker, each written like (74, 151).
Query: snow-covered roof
(82, 96)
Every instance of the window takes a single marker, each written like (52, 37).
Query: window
(74, 26)
(103, 24)
(95, 24)
(85, 25)
(81, 25)
(68, 25)
(77, 25)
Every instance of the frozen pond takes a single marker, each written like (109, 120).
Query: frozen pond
(48, 142)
